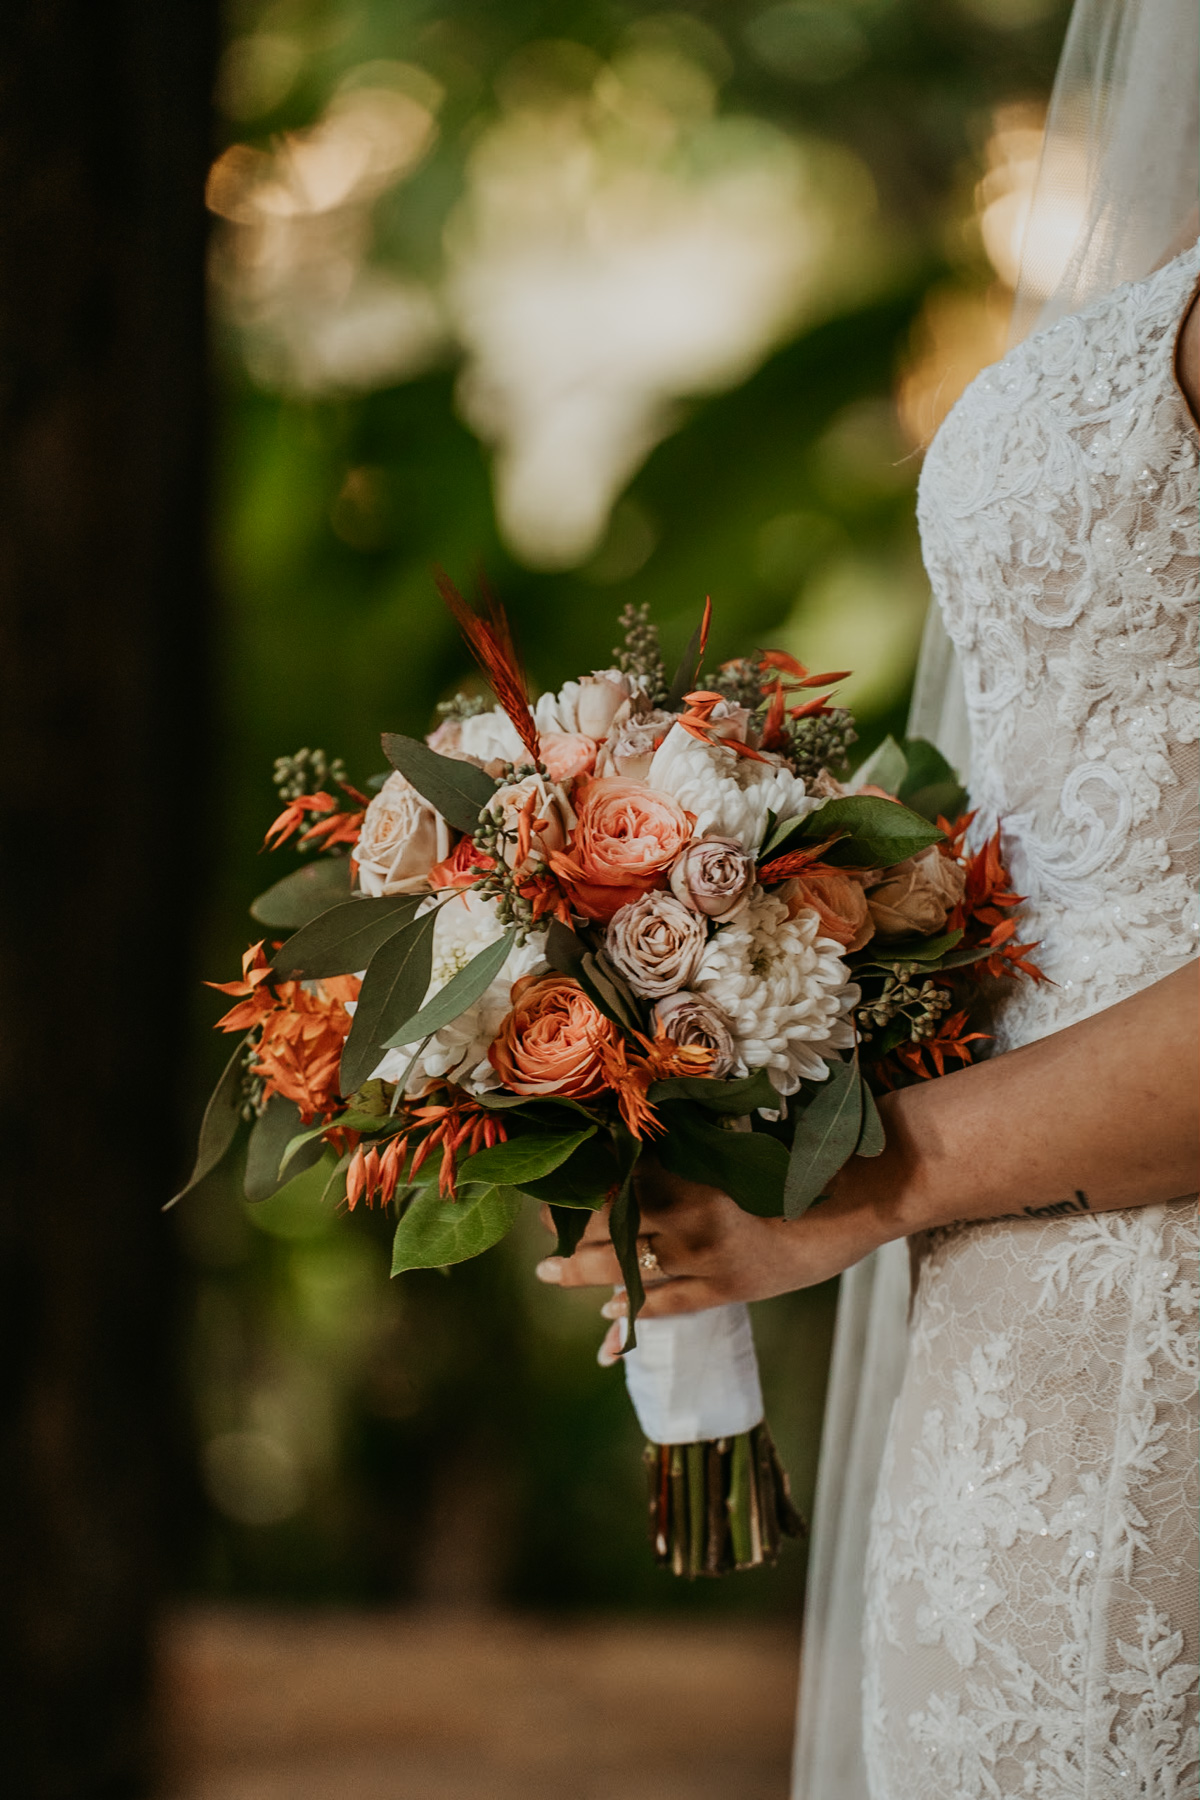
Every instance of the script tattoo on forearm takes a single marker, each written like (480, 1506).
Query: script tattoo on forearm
(1059, 1208)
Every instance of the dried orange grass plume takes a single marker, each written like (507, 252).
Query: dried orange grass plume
(489, 638)
(303, 1028)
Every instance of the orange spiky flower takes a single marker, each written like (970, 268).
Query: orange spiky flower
(698, 722)
(488, 636)
(949, 1040)
(984, 914)
(789, 677)
(302, 1028)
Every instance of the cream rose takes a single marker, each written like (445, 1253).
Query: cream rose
(689, 1019)
(538, 818)
(656, 944)
(713, 876)
(402, 838)
(917, 895)
(601, 697)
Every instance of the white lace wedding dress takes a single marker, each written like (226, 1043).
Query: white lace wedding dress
(1031, 1616)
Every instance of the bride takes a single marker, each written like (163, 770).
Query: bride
(1027, 1621)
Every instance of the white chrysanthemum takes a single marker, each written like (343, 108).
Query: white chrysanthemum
(730, 795)
(784, 987)
(491, 737)
(465, 926)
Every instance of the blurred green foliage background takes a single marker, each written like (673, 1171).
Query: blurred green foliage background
(618, 304)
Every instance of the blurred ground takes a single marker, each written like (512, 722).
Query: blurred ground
(344, 1706)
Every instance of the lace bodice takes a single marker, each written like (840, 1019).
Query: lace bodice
(1031, 1620)
(1058, 520)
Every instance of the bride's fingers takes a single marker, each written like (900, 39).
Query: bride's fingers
(593, 1265)
(688, 1294)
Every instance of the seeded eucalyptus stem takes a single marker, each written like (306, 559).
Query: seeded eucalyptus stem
(720, 1505)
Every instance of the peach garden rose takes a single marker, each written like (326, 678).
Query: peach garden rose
(548, 1043)
(626, 838)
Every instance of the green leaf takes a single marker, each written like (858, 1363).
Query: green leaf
(685, 676)
(523, 1159)
(931, 786)
(218, 1128)
(875, 832)
(871, 1138)
(269, 1140)
(460, 992)
(886, 768)
(368, 1124)
(304, 894)
(459, 790)
(624, 1222)
(826, 1134)
(744, 1095)
(345, 938)
(539, 1107)
(433, 1232)
(749, 1166)
(394, 986)
(586, 1179)
(908, 950)
(570, 1224)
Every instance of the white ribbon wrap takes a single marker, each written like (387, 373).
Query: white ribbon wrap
(695, 1377)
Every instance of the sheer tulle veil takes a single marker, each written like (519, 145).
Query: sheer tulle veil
(1116, 197)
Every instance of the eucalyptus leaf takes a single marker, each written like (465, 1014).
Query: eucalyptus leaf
(930, 787)
(367, 1124)
(345, 938)
(570, 1224)
(624, 1222)
(433, 1232)
(827, 1132)
(568, 954)
(269, 1140)
(871, 1138)
(219, 1126)
(749, 1166)
(745, 1095)
(304, 894)
(460, 992)
(459, 790)
(685, 677)
(392, 990)
(525, 1158)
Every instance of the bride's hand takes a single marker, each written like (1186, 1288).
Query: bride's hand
(709, 1251)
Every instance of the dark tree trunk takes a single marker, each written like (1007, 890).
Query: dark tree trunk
(104, 128)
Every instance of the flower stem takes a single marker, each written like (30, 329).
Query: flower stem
(719, 1505)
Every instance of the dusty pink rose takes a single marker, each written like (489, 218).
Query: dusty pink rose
(656, 944)
(402, 838)
(629, 748)
(917, 895)
(713, 876)
(568, 754)
(692, 1020)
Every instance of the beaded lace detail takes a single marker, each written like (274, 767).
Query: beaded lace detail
(1031, 1624)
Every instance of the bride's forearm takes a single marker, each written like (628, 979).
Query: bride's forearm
(1098, 1116)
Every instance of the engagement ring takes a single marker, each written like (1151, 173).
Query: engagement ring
(649, 1261)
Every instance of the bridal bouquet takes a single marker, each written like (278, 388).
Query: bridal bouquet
(636, 918)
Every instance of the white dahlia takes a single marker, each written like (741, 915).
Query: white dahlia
(730, 795)
(784, 988)
(465, 926)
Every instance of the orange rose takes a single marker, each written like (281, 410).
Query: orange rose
(548, 1043)
(626, 838)
(567, 754)
(840, 904)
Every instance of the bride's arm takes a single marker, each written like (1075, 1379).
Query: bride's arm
(1100, 1115)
